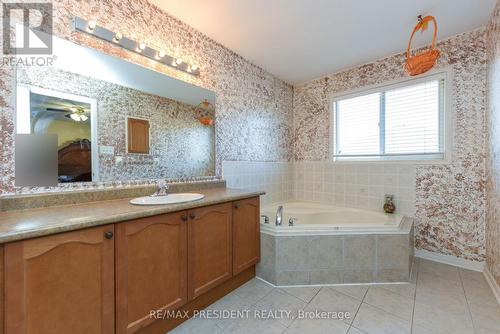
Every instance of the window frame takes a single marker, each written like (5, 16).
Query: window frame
(447, 119)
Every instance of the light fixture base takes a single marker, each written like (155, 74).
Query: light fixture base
(82, 25)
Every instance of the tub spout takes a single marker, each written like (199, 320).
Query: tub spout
(279, 215)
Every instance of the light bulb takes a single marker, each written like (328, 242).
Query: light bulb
(118, 37)
(178, 61)
(75, 117)
(161, 54)
(141, 47)
(91, 25)
(174, 63)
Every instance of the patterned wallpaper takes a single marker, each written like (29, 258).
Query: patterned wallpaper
(493, 170)
(180, 145)
(253, 108)
(255, 117)
(450, 199)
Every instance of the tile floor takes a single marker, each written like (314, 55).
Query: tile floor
(439, 299)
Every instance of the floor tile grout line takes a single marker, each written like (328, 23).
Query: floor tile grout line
(250, 306)
(357, 310)
(417, 272)
(384, 286)
(359, 329)
(345, 294)
(307, 304)
(400, 295)
(467, 301)
(290, 295)
(387, 312)
(395, 315)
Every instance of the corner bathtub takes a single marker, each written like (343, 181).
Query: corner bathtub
(331, 245)
(314, 218)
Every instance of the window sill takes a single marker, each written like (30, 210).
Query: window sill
(351, 161)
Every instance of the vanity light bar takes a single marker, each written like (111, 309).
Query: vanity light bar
(91, 28)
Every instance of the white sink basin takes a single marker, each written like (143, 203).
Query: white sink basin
(169, 199)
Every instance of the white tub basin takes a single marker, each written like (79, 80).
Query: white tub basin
(169, 199)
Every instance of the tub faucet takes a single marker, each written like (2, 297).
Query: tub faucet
(279, 215)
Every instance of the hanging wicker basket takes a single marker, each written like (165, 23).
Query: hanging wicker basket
(424, 61)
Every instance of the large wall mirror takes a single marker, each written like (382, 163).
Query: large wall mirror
(114, 120)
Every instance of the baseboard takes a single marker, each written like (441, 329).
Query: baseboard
(449, 259)
(493, 283)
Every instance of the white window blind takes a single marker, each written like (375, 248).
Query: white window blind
(399, 122)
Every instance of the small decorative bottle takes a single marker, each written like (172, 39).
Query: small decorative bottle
(389, 206)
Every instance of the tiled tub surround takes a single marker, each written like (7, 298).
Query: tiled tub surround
(253, 108)
(180, 145)
(450, 198)
(360, 186)
(493, 166)
(337, 258)
(275, 178)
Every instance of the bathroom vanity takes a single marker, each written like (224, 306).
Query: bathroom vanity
(111, 267)
(81, 260)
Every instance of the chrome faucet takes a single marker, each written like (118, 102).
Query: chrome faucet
(161, 189)
(279, 215)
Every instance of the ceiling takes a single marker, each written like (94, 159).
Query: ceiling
(299, 40)
(54, 108)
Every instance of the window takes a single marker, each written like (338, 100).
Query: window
(398, 122)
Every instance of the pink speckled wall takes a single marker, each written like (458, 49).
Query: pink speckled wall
(254, 108)
(449, 199)
(493, 170)
(256, 121)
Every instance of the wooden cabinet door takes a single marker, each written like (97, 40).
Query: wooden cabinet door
(209, 248)
(61, 284)
(246, 234)
(151, 268)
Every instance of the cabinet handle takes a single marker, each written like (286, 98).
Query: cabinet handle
(236, 206)
(184, 218)
(192, 216)
(108, 235)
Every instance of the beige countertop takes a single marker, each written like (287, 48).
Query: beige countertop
(24, 224)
